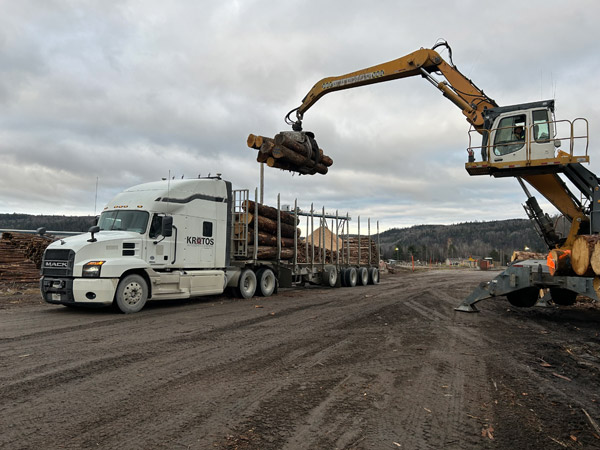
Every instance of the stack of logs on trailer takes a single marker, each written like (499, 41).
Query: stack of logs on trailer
(328, 249)
(21, 257)
(291, 150)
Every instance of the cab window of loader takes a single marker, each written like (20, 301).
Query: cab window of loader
(541, 125)
(510, 135)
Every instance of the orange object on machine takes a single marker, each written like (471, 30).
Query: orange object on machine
(559, 262)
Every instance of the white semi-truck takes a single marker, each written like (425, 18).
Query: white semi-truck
(176, 239)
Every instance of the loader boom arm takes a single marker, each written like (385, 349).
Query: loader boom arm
(456, 87)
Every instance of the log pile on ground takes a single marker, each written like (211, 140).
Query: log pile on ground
(291, 150)
(523, 255)
(21, 257)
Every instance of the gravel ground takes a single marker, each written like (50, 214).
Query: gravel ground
(391, 366)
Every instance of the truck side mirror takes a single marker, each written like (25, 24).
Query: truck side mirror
(167, 226)
(93, 230)
(41, 231)
(557, 143)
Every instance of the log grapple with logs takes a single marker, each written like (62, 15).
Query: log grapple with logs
(294, 151)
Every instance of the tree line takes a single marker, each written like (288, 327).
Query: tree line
(493, 239)
(55, 223)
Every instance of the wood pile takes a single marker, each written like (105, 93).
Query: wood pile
(523, 255)
(266, 219)
(585, 255)
(291, 150)
(365, 243)
(307, 247)
(583, 259)
(559, 262)
(21, 257)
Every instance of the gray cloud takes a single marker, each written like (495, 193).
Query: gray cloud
(127, 92)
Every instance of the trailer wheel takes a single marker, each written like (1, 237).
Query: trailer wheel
(247, 284)
(350, 277)
(330, 277)
(523, 298)
(563, 297)
(267, 282)
(132, 293)
(363, 276)
(373, 275)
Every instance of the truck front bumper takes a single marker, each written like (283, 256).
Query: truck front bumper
(81, 291)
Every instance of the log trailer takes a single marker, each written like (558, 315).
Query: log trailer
(524, 141)
(176, 239)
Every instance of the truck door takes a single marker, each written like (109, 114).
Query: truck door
(161, 252)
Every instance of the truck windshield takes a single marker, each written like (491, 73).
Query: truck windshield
(124, 220)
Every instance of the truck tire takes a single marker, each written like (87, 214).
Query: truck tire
(247, 284)
(373, 275)
(267, 282)
(363, 276)
(350, 277)
(563, 297)
(132, 293)
(330, 277)
(523, 298)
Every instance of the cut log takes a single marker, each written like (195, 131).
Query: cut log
(270, 226)
(264, 252)
(267, 147)
(256, 142)
(595, 259)
(269, 240)
(299, 144)
(281, 152)
(284, 165)
(559, 262)
(270, 212)
(581, 254)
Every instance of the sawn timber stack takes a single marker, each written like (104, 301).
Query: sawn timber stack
(291, 150)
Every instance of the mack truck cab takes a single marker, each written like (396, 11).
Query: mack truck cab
(164, 239)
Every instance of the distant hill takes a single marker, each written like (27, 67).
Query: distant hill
(482, 239)
(425, 242)
(56, 223)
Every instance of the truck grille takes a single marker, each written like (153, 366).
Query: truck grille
(58, 263)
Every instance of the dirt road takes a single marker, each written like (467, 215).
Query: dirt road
(391, 366)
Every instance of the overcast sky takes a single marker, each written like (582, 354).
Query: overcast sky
(126, 92)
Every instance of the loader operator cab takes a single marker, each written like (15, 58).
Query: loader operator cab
(525, 135)
(520, 133)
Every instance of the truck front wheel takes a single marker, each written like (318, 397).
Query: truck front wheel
(132, 294)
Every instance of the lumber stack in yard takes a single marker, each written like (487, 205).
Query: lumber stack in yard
(21, 257)
(291, 150)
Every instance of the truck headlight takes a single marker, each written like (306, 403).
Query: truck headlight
(92, 269)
